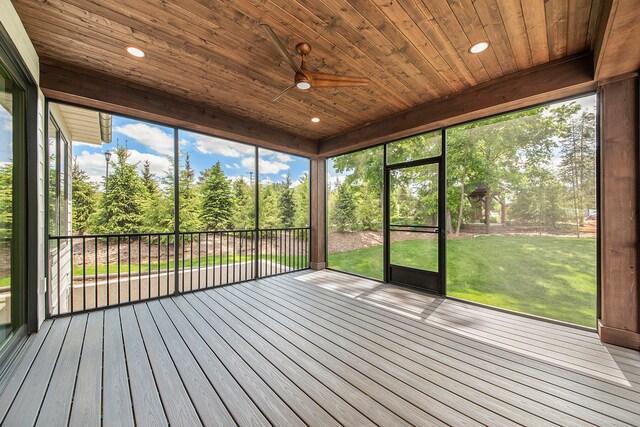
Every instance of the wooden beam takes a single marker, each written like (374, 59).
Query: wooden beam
(617, 50)
(619, 321)
(557, 79)
(102, 92)
(318, 258)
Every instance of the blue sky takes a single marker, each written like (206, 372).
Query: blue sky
(6, 136)
(155, 143)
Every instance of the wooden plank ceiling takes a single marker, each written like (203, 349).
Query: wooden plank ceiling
(215, 54)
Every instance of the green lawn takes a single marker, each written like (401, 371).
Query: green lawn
(554, 277)
(90, 270)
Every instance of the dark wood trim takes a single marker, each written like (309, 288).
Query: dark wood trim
(615, 52)
(558, 79)
(621, 337)
(93, 90)
(604, 30)
(317, 197)
(619, 178)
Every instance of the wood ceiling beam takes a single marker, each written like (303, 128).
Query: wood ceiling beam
(90, 89)
(617, 50)
(558, 79)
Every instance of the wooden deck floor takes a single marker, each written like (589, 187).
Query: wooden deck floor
(316, 348)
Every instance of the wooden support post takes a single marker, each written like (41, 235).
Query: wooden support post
(318, 213)
(619, 321)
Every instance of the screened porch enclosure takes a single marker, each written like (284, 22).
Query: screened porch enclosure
(511, 221)
(140, 210)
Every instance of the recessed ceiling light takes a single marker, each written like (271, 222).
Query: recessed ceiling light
(479, 47)
(135, 52)
(315, 119)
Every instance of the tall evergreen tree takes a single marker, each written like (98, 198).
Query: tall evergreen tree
(149, 178)
(122, 205)
(302, 201)
(244, 214)
(217, 200)
(84, 199)
(578, 162)
(190, 198)
(268, 206)
(286, 203)
(344, 209)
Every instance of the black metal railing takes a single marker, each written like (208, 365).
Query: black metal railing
(95, 271)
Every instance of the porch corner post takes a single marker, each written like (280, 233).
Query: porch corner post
(318, 220)
(619, 294)
(176, 212)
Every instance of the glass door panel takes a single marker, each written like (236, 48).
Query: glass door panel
(414, 237)
(8, 125)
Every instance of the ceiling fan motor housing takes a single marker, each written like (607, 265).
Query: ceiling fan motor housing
(302, 81)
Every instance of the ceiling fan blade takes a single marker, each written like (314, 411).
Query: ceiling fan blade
(332, 80)
(281, 94)
(276, 41)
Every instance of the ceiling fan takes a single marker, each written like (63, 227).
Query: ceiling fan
(305, 79)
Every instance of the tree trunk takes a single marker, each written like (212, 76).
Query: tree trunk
(461, 208)
(487, 213)
(449, 228)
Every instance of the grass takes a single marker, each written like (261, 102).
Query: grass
(553, 277)
(90, 270)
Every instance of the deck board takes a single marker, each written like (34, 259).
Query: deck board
(243, 408)
(179, 407)
(316, 348)
(13, 380)
(56, 405)
(116, 398)
(87, 403)
(147, 407)
(509, 395)
(25, 407)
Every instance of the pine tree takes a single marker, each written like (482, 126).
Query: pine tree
(287, 204)
(244, 214)
(148, 178)
(122, 205)
(302, 201)
(84, 199)
(268, 206)
(190, 199)
(344, 209)
(217, 200)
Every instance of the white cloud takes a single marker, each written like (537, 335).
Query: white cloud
(213, 145)
(233, 166)
(83, 144)
(95, 166)
(154, 138)
(281, 157)
(265, 166)
(7, 126)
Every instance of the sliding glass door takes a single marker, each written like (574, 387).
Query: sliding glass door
(11, 142)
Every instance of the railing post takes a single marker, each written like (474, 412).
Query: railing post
(256, 223)
(176, 212)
